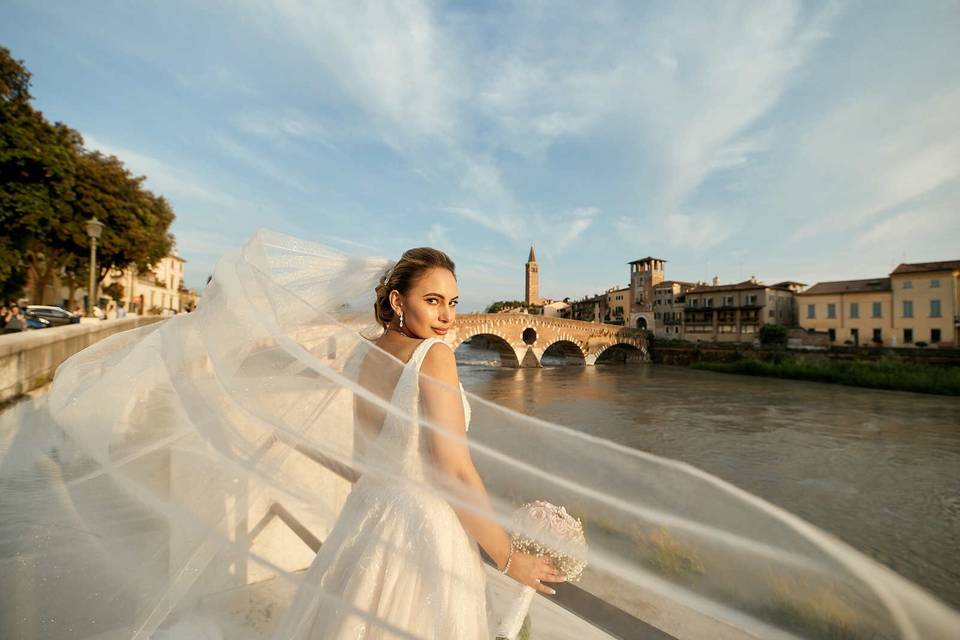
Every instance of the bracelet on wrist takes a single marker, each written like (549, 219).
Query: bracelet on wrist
(506, 565)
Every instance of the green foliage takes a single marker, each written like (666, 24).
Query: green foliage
(114, 290)
(50, 186)
(504, 305)
(773, 334)
(887, 373)
(14, 79)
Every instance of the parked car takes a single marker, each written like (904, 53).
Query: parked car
(55, 316)
(36, 322)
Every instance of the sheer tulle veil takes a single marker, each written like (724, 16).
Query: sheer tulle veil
(181, 476)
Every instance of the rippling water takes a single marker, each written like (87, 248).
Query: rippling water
(878, 469)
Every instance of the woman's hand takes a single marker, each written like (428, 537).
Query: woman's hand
(532, 571)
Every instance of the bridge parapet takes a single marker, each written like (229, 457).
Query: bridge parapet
(523, 340)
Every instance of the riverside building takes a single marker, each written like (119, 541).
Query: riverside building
(669, 298)
(735, 312)
(917, 305)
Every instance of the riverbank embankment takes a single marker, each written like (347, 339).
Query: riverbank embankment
(28, 360)
(935, 371)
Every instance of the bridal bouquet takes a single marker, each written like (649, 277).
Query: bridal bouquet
(543, 529)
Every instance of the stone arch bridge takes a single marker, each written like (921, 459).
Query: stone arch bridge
(522, 340)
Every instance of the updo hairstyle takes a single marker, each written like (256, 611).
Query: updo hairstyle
(413, 264)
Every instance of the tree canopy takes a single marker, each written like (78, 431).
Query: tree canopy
(50, 185)
(504, 305)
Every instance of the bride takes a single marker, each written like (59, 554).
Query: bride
(434, 588)
(176, 480)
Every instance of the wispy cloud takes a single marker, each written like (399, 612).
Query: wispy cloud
(753, 137)
(215, 79)
(439, 238)
(572, 226)
(164, 178)
(283, 125)
(860, 161)
(259, 162)
(389, 56)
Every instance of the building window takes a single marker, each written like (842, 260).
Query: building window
(854, 309)
(907, 308)
(877, 309)
(855, 335)
(908, 336)
(908, 284)
(708, 302)
(934, 284)
(878, 336)
(934, 308)
(811, 311)
(831, 310)
(833, 335)
(772, 313)
(934, 336)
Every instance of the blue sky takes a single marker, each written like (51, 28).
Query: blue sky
(802, 141)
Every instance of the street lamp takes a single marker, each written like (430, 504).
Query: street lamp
(94, 229)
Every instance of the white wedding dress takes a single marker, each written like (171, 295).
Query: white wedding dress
(398, 562)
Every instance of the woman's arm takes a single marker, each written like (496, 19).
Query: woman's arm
(443, 407)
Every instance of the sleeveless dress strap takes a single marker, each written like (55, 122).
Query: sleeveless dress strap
(420, 353)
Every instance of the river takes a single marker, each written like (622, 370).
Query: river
(878, 469)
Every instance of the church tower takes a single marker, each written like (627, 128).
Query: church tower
(532, 291)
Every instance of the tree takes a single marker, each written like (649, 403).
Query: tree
(50, 186)
(14, 79)
(136, 222)
(115, 291)
(773, 334)
(504, 305)
(36, 169)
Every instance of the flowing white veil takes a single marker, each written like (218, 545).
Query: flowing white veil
(182, 475)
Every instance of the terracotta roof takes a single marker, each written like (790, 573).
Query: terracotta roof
(921, 267)
(849, 286)
(740, 286)
(667, 283)
(532, 257)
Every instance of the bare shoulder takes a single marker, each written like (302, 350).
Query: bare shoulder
(440, 363)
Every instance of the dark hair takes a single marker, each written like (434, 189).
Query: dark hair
(411, 266)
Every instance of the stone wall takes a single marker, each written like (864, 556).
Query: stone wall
(680, 353)
(29, 359)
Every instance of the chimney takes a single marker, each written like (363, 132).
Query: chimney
(716, 281)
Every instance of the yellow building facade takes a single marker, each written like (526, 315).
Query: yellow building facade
(850, 311)
(917, 305)
(926, 309)
(154, 291)
(619, 303)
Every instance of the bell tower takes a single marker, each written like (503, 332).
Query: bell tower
(532, 289)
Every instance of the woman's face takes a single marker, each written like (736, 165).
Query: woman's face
(430, 307)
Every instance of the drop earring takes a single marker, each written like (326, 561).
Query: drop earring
(401, 319)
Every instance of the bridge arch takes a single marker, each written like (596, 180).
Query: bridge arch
(508, 355)
(521, 340)
(567, 350)
(619, 353)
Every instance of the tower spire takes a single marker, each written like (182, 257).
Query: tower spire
(531, 290)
